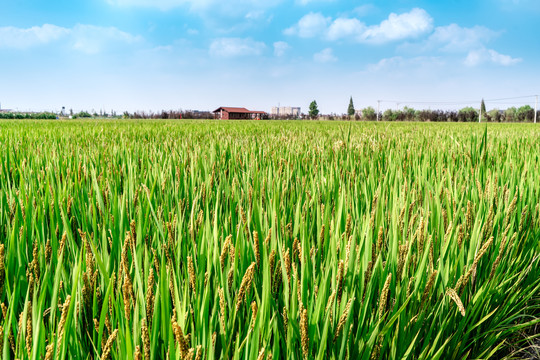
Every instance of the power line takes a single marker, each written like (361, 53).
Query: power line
(465, 102)
(430, 102)
(510, 103)
(512, 98)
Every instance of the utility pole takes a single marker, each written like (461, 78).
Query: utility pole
(535, 109)
(378, 107)
(480, 117)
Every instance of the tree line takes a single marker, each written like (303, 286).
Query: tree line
(467, 114)
(20, 115)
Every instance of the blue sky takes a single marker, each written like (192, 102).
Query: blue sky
(202, 54)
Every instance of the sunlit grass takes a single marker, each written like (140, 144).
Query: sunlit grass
(248, 240)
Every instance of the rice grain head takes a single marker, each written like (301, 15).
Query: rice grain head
(191, 273)
(339, 280)
(61, 325)
(180, 339)
(222, 306)
(428, 287)
(253, 314)
(224, 251)
(343, 318)
(304, 333)
(245, 285)
(383, 300)
(49, 350)
(199, 353)
(137, 355)
(2, 268)
(380, 239)
(285, 320)
(108, 346)
(145, 339)
(454, 296)
(150, 297)
(256, 248)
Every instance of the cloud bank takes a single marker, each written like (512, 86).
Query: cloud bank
(89, 39)
(407, 25)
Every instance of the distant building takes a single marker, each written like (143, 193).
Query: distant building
(230, 113)
(285, 111)
(4, 110)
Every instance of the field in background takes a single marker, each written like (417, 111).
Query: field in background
(252, 240)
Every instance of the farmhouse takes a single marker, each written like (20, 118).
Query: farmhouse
(226, 113)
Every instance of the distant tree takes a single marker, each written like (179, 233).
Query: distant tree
(525, 113)
(468, 114)
(494, 115)
(82, 114)
(510, 114)
(350, 110)
(389, 115)
(313, 109)
(369, 114)
(409, 113)
(483, 108)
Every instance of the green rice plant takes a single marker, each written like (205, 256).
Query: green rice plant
(258, 240)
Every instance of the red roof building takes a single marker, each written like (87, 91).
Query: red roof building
(229, 113)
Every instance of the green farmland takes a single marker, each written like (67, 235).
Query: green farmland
(258, 240)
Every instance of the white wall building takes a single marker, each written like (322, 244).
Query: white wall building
(285, 111)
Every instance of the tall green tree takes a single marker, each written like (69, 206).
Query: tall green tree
(350, 110)
(313, 109)
(483, 108)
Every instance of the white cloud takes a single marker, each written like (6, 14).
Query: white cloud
(232, 47)
(85, 38)
(310, 25)
(92, 39)
(306, 2)
(386, 63)
(325, 56)
(363, 10)
(19, 38)
(254, 15)
(480, 56)
(280, 47)
(397, 27)
(345, 28)
(454, 38)
(458, 40)
(163, 5)
(405, 65)
(412, 24)
(162, 48)
(228, 7)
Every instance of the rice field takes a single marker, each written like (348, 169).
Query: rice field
(268, 240)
